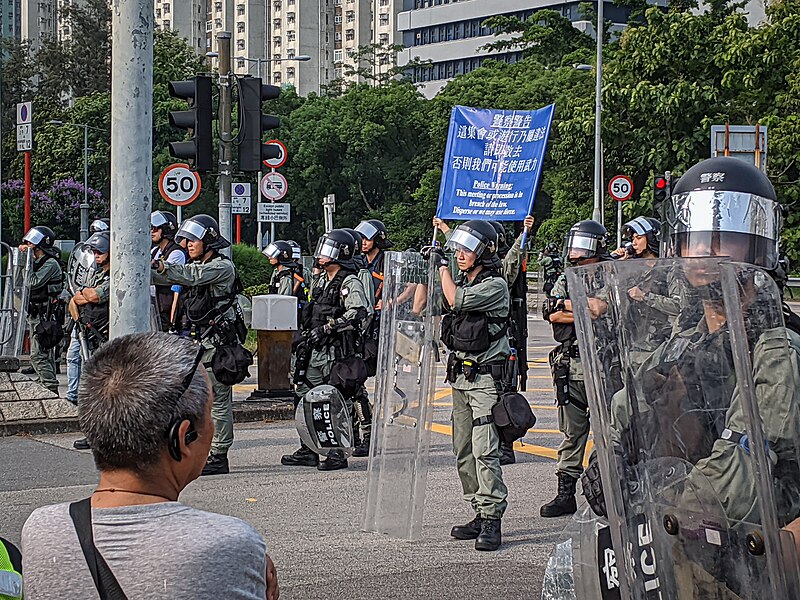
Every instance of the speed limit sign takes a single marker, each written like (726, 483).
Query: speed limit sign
(620, 187)
(179, 185)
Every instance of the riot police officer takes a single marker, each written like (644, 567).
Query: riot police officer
(585, 244)
(643, 235)
(287, 276)
(100, 225)
(210, 306)
(474, 331)
(333, 328)
(551, 267)
(45, 318)
(163, 227)
(89, 306)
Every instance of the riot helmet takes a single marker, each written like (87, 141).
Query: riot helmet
(585, 240)
(338, 246)
(100, 242)
(164, 221)
(479, 237)
(100, 225)
(502, 243)
(280, 251)
(724, 207)
(645, 227)
(203, 228)
(43, 238)
(297, 252)
(552, 248)
(375, 231)
(357, 237)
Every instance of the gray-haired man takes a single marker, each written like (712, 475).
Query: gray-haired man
(145, 408)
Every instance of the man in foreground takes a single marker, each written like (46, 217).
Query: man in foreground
(145, 408)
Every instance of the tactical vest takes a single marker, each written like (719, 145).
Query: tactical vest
(95, 319)
(376, 268)
(299, 286)
(329, 304)
(201, 306)
(49, 289)
(470, 331)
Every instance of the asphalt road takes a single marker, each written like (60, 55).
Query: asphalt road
(312, 520)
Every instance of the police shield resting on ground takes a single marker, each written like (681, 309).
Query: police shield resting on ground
(145, 407)
(214, 319)
(475, 332)
(585, 244)
(332, 336)
(45, 311)
(702, 442)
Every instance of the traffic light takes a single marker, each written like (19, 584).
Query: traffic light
(253, 124)
(197, 92)
(660, 189)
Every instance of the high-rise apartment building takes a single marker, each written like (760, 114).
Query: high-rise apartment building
(38, 21)
(187, 18)
(246, 20)
(449, 35)
(10, 18)
(384, 31)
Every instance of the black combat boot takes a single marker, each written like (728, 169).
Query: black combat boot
(302, 457)
(362, 448)
(564, 503)
(81, 444)
(335, 461)
(28, 371)
(507, 456)
(489, 539)
(217, 464)
(470, 531)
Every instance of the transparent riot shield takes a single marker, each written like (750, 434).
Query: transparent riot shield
(323, 421)
(81, 272)
(398, 463)
(13, 320)
(692, 381)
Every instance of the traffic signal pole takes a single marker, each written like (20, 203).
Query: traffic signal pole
(225, 141)
(131, 164)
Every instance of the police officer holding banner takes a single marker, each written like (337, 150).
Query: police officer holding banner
(585, 244)
(215, 319)
(45, 313)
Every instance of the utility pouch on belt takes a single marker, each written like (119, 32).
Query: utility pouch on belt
(559, 366)
(470, 370)
(452, 368)
(513, 416)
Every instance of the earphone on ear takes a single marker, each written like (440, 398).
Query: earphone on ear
(174, 443)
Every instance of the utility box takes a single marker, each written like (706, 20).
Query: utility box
(275, 322)
(745, 142)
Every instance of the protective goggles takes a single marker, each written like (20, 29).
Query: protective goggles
(580, 245)
(466, 240)
(192, 231)
(272, 251)
(327, 248)
(34, 236)
(368, 230)
(157, 219)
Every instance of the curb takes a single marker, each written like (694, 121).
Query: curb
(243, 412)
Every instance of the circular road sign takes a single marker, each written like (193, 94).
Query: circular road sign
(620, 187)
(273, 186)
(179, 185)
(274, 163)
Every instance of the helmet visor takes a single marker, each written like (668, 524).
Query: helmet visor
(463, 239)
(192, 231)
(640, 226)
(296, 252)
(745, 227)
(368, 230)
(157, 219)
(579, 245)
(272, 251)
(34, 236)
(327, 248)
(98, 225)
(99, 242)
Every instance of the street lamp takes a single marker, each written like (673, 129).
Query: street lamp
(258, 61)
(84, 232)
(598, 210)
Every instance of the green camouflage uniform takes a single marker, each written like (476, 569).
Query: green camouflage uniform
(477, 449)
(219, 274)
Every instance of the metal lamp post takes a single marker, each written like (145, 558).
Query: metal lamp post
(84, 206)
(258, 61)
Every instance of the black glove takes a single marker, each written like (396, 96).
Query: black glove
(439, 257)
(592, 485)
(318, 334)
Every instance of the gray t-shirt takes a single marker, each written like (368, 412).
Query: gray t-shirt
(164, 550)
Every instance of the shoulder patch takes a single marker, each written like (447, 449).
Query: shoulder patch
(344, 291)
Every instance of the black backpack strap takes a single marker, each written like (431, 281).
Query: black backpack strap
(104, 580)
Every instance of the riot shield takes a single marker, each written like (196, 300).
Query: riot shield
(695, 416)
(398, 463)
(13, 320)
(323, 421)
(81, 272)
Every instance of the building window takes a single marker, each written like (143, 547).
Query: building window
(240, 27)
(351, 16)
(290, 3)
(384, 38)
(240, 64)
(337, 19)
(290, 18)
(276, 23)
(384, 19)
(218, 7)
(384, 3)
(350, 35)
(290, 53)
(240, 44)
(240, 10)
(277, 42)
(276, 57)
(290, 72)
(338, 36)
(337, 56)
(158, 16)
(384, 60)
(276, 78)
(165, 24)
(166, 9)
(290, 36)
(276, 6)
(337, 73)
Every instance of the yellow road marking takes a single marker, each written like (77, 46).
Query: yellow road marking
(526, 448)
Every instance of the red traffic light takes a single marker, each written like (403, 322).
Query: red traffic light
(661, 183)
